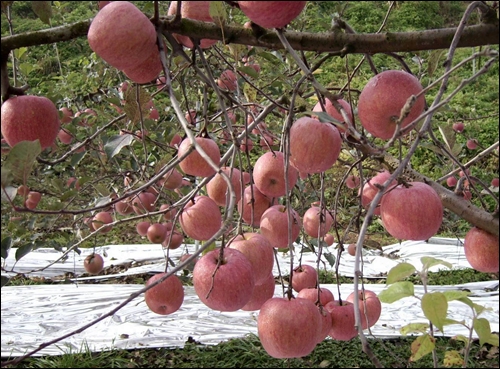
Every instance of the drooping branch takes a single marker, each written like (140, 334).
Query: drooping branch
(475, 35)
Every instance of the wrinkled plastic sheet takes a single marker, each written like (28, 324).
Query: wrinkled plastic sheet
(35, 314)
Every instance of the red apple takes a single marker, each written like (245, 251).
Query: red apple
(458, 127)
(157, 233)
(269, 174)
(317, 222)
(451, 181)
(412, 213)
(172, 179)
(144, 202)
(326, 323)
(67, 115)
(64, 136)
(23, 190)
(288, 328)
(194, 164)
(29, 118)
(369, 305)
(329, 239)
(334, 113)
(224, 287)
(261, 293)
(472, 144)
(217, 188)
(258, 251)
(304, 276)
(481, 250)
(93, 263)
(370, 189)
(494, 182)
(100, 220)
(352, 181)
(227, 80)
(311, 293)
(351, 249)
(197, 10)
(274, 225)
(122, 35)
(382, 99)
(164, 298)
(142, 228)
(343, 320)
(201, 218)
(272, 14)
(173, 240)
(147, 70)
(252, 214)
(308, 140)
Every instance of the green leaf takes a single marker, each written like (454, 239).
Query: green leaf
(435, 308)
(76, 158)
(330, 258)
(5, 279)
(21, 159)
(483, 329)
(248, 71)
(453, 321)
(18, 53)
(23, 250)
(399, 272)
(493, 340)
(323, 116)
(422, 346)
(43, 10)
(26, 68)
(448, 135)
(433, 61)
(396, 292)
(133, 96)
(429, 262)
(414, 328)
(218, 12)
(455, 295)
(116, 143)
(6, 244)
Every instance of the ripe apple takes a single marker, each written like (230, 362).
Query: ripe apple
(100, 219)
(269, 174)
(370, 313)
(64, 136)
(274, 225)
(157, 233)
(173, 240)
(343, 320)
(142, 228)
(67, 115)
(197, 10)
(217, 188)
(172, 179)
(29, 118)
(164, 298)
(370, 189)
(311, 293)
(458, 127)
(481, 250)
(288, 328)
(191, 265)
(175, 141)
(329, 239)
(123, 207)
(472, 144)
(93, 263)
(351, 249)
(144, 202)
(23, 190)
(331, 111)
(147, 70)
(272, 14)
(224, 287)
(326, 323)
(304, 276)
(227, 80)
(122, 35)
(252, 214)
(33, 199)
(451, 181)
(258, 251)
(412, 213)
(246, 145)
(308, 140)
(200, 218)
(352, 181)
(260, 294)
(194, 164)
(382, 99)
(494, 182)
(313, 217)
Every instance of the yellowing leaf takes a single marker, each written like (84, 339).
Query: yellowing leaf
(452, 358)
(422, 346)
(414, 328)
(483, 329)
(396, 292)
(43, 10)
